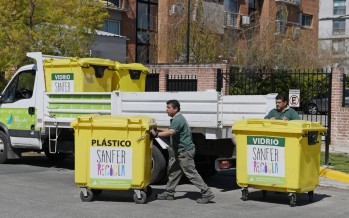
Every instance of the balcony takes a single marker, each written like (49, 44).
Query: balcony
(281, 27)
(232, 20)
(338, 31)
(290, 2)
(117, 5)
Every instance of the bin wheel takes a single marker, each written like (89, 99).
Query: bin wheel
(292, 197)
(264, 193)
(87, 198)
(141, 200)
(244, 192)
(149, 191)
(311, 196)
(97, 192)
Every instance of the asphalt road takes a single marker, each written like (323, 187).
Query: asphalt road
(34, 187)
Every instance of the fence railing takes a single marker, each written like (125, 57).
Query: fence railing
(181, 83)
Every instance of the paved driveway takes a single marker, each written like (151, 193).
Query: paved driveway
(33, 187)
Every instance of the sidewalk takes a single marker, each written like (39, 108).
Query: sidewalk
(331, 177)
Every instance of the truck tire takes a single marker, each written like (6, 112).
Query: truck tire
(158, 166)
(3, 147)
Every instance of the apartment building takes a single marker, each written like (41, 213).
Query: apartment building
(334, 30)
(147, 23)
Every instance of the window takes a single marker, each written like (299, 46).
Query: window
(21, 87)
(338, 46)
(147, 11)
(281, 22)
(112, 26)
(231, 13)
(339, 7)
(231, 6)
(338, 27)
(251, 7)
(305, 20)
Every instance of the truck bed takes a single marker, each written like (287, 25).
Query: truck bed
(206, 112)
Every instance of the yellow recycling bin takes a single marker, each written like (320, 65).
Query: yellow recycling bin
(79, 75)
(113, 153)
(278, 155)
(131, 77)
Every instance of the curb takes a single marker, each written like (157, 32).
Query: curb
(333, 174)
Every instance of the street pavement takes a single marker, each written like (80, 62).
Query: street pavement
(35, 187)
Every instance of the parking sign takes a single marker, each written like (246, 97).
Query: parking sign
(294, 98)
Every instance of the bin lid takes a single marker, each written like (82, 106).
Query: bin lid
(279, 126)
(133, 66)
(81, 62)
(108, 121)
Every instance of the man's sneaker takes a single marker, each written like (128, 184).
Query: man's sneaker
(164, 196)
(205, 200)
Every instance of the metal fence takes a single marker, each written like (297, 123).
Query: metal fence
(181, 83)
(314, 86)
(152, 82)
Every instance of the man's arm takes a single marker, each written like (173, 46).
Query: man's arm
(162, 132)
(270, 115)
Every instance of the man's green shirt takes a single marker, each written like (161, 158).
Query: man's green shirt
(182, 140)
(290, 113)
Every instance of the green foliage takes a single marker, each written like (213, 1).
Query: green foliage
(55, 27)
(339, 162)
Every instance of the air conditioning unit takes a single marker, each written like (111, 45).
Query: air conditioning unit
(173, 10)
(245, 20)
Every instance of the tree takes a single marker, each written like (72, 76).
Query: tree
(54, 27)
(207, 41)
(266, 43)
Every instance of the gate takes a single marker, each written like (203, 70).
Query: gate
(314, 85)
(152, 82)
(181, 83)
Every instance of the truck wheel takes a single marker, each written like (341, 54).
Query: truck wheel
(159, 166)
(3, 147)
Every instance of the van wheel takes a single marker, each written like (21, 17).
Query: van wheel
(158, 166)
(3, 147)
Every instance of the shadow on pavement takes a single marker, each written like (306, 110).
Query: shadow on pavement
(43, 161)
(282, 197)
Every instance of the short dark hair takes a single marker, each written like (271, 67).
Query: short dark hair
(282, 97)
(175, 104)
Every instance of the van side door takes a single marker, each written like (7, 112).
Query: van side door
(18, 112)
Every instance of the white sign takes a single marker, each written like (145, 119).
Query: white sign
(294, 98)
(62, 82)
(109, 163)
(266, 160)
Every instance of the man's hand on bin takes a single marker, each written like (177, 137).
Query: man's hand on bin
(154, 133)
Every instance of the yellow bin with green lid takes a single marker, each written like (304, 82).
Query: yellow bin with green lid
(278, 155)
(113, 153)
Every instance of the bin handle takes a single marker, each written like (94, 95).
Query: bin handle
(267, 122)
(143, 136)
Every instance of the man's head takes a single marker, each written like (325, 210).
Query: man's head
(281, 102)
(173, 107)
